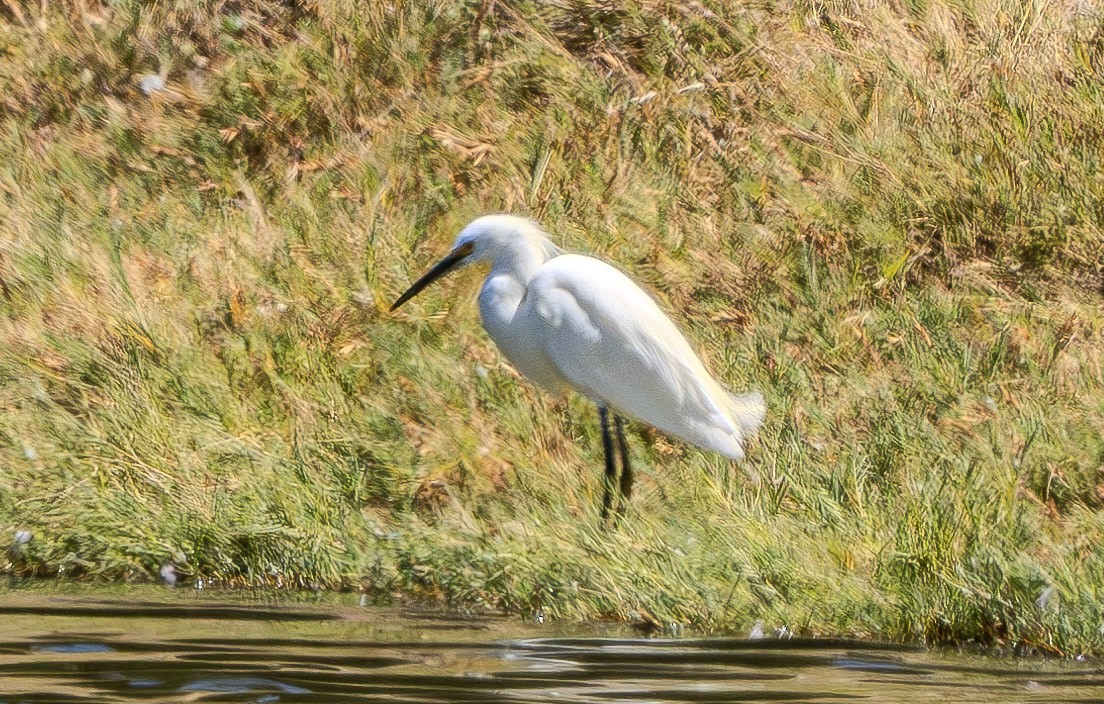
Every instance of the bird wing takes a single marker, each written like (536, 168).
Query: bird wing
(611, 341)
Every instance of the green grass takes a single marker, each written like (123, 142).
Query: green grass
(888, 219)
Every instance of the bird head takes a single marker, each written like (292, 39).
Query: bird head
(486, 239)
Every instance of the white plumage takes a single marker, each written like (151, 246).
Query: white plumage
(572, 321)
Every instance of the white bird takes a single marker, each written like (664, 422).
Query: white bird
(568, 321)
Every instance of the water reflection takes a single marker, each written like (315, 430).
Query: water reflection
(78, 650)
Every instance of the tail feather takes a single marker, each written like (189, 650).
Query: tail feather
(748, 410)
(744, 413)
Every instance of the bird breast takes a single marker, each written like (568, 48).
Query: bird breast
(499, 301)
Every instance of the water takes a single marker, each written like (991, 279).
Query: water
(166, 648)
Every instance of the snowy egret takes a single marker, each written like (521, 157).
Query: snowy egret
(572, 321)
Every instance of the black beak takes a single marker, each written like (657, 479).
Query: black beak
(439, 269)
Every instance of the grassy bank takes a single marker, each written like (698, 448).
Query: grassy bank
(886, 216)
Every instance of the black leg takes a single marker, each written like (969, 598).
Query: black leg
(626, 467)
(607, 445)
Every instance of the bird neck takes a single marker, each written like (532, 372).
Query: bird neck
(511, 270)
(521, 258)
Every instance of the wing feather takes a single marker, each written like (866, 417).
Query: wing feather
(611, 341)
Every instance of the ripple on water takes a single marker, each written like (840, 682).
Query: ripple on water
(71, 648)
(201, 650)
(241, 685)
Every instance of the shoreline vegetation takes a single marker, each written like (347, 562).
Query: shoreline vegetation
(886, 216)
